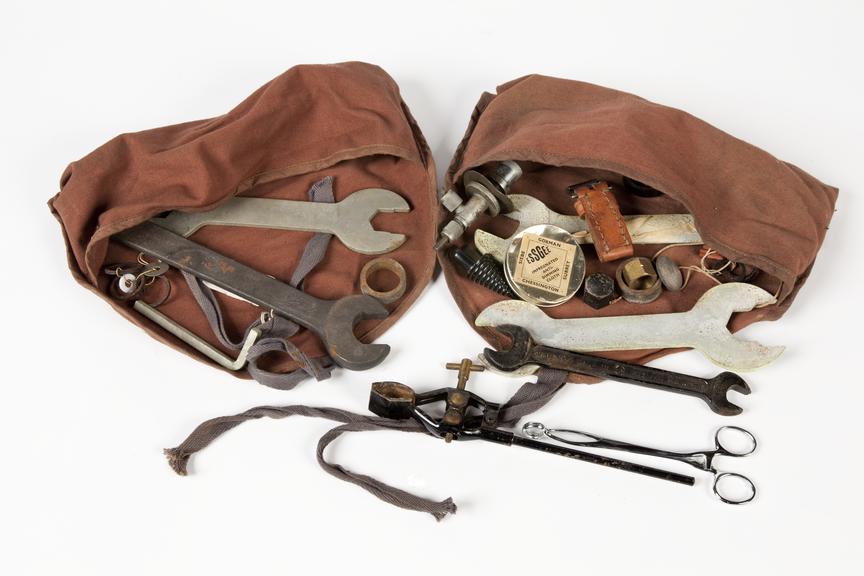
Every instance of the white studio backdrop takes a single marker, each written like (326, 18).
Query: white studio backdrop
(90, 401)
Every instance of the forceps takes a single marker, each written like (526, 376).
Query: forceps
(703, 459)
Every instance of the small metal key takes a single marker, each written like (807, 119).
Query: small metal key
(523, 351)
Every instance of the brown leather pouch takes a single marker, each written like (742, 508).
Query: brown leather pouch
(749, 206)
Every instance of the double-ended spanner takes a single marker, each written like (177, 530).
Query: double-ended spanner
(523, 351)
(643, 228)
(332, 320)
(350, 219)
(704, 328)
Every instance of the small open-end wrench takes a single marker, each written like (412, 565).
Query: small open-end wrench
(704, 327)
(523, 351)
(643, 228)
(332, 320)
(350, 220)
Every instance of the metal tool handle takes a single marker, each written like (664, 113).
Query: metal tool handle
(725, 495)
(580, 438)
(602, 460)
(723, 448)
(624, 372)
(227, 273)
(701, 460)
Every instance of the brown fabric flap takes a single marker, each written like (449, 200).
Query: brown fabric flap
(342, 120)
(308, 118)
(747, 204)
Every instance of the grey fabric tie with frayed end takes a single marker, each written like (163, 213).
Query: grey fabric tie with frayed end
(529, 398)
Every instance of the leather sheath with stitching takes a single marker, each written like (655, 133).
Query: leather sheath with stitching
(595, 203)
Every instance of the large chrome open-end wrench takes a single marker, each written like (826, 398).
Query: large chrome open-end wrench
(350, 220)
(704, 328)
(643, 228)
(332, 320)
(523, 351)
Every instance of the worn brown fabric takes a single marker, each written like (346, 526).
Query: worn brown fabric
(343, 120)
(748, 205)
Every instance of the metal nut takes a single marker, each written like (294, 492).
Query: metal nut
(638, 281)
(599, 291)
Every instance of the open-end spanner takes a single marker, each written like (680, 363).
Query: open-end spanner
(704, 328)
(350, 220)
(643, 228)
(332, 320)
(523, 351)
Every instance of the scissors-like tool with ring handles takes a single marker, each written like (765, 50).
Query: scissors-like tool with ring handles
(703, 459)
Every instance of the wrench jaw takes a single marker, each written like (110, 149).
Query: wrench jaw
(715, 308)
(509, 359)
(721, 301)
(733, 353)
(356, 213)
(720, 386)
(338, 334)
(370, 242)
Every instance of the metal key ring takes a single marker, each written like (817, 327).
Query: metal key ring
(719, 477)
(722, 450)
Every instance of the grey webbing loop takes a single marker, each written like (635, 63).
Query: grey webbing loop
(208, 431)
(527, 399)
(278, 330)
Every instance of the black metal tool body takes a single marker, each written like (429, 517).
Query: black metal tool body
(332, 320)
(523, 351)
(467, 416)
(701, 459)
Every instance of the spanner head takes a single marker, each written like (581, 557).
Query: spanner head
(710, 316)
(338, 333)
(720, 386)
(509, 359)
(355, 220)
(528, 211)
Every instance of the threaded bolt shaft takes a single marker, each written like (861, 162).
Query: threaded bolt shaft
(484, 271)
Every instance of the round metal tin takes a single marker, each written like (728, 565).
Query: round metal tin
(544, 265)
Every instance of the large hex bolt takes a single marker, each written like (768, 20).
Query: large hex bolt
(486, 195)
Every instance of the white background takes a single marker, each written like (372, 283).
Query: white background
(84, 487)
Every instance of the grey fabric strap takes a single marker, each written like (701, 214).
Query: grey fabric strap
(528, 398)
(277, 330)
(275, 333)
(208, 431)
(532, 396)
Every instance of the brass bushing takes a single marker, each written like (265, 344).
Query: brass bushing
(637, 280)
(383, 264)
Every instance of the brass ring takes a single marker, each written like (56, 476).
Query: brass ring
(390, 265)
(637, 280)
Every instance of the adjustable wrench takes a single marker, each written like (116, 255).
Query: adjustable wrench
(643, 228)
(332, 320)
(350, 220)
(703, 328)
(523, 351)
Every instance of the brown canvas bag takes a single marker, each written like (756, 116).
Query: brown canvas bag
(346, 121)
(748, 205)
